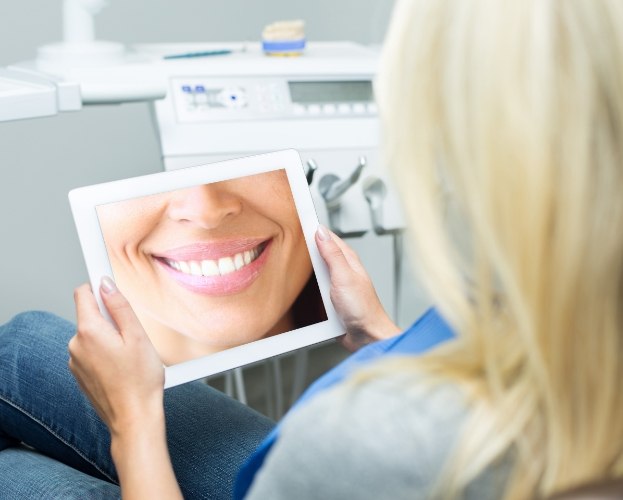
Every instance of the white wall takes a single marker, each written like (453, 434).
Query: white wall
(41, 160)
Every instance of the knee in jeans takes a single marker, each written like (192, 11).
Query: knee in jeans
(33, 317)
(38, 329)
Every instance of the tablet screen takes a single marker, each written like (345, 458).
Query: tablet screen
(218, 260)
(213, 266)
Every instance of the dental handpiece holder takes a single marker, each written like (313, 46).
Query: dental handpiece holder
(312, 166)
(332, 189)
(375, 193)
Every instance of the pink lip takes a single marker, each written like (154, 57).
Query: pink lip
(211, 251)
(228, 284)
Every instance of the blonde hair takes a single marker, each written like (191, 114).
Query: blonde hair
(513, 109)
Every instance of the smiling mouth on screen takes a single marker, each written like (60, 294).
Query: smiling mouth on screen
(222, 268)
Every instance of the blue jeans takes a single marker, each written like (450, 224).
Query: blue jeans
(67, 452)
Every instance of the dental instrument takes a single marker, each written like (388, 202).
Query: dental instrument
(375, 192)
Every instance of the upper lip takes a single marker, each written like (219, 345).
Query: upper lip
(211, 250)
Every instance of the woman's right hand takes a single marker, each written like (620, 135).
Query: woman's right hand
(121, 373)
(115, 365)
(353, 294)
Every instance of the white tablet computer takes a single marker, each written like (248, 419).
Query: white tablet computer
(218, 261)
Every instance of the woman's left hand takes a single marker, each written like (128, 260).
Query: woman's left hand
(353, 294)
(118, 368)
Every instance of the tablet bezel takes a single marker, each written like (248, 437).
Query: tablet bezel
(84, 201)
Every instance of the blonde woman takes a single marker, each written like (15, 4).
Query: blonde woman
(515, 108)
(503, 122)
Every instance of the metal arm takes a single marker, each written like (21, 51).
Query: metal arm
(331, 188)
(312, 166)
(374, 191)
(78, 25)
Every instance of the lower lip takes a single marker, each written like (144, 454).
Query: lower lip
(228, 284)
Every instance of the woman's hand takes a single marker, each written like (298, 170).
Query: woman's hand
(121, 373)
(118, 369)
(353, 294)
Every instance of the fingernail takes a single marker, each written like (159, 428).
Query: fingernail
(108, 285)
(323, 233)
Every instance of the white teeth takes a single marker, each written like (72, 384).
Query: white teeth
(238, 261)
(195, 268)
(209, 268)
(226, 265)
(222, 266)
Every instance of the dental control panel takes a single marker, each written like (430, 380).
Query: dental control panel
(215, 99)
(321, 104)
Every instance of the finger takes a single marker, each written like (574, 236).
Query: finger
(85, 301)
(120, 310)
(332, 254)
(87, 311)
(349, 253)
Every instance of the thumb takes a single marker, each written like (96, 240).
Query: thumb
(119, 308)
(332, 254)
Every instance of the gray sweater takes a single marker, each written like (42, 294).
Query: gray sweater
(387, 439)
